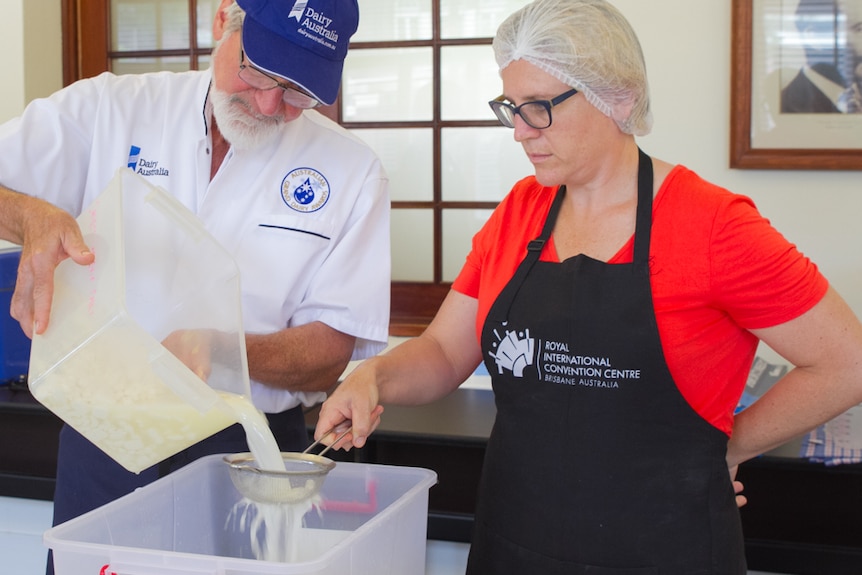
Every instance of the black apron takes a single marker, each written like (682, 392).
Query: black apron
(596, 464)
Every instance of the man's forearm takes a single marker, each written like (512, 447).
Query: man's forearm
(304, 358)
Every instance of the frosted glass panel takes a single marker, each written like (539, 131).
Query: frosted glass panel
(149, 24)
(393, 84)
(381, 20)
(143, 65)
(206, 10)
(459, 227)
(412, 245)
(481, 164)
(407, 155)
(469, 79)
(474, 18)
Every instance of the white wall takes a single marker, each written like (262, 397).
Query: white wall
(12, 47)
(687, 48)
(43, 47)
(31, 45)
(686, 44)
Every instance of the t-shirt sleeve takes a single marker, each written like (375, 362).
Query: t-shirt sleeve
(46, 151)
(758, 276)
(469, 278)
(500, 245)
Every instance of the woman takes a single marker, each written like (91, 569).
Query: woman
(618, 302)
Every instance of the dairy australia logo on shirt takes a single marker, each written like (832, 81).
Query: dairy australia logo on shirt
(556, 363)
(145, 167)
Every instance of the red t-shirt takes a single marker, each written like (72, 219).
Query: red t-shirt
(718, 269)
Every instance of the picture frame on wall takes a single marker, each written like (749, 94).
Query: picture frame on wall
(796, 74)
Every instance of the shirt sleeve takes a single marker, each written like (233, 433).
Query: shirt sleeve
(46, 151)
(758, 276)
(500, 246)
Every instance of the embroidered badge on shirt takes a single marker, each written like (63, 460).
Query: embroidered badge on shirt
(143, 166)
(305, 190)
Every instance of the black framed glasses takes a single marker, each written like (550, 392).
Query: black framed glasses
(260, 80)
(536, 114)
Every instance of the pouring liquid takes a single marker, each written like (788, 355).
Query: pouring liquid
(274, 529)
(261, 442)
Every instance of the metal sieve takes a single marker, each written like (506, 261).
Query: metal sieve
(301, 479)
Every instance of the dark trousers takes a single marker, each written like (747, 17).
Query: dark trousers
(87, 478)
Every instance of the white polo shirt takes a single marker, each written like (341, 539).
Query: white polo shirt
(306, 217)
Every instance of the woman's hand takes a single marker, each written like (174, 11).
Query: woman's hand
(737, 487)
(354, 401)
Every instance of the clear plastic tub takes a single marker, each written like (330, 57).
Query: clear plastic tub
(102, 365)
(372, 520)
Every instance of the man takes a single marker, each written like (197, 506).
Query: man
(851, 100)
(817, 86)
(300, 203)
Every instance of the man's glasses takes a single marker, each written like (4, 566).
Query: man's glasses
(260, 80)
(536, 114)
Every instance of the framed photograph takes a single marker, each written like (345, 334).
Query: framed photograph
(796, 73)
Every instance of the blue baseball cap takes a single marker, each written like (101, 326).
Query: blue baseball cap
(303, 41)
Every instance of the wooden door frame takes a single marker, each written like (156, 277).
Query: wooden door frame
(85, 41)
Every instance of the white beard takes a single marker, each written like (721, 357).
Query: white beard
(243, 128)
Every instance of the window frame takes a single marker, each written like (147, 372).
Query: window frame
(86, 53)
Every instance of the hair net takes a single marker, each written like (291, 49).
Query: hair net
(588, 45)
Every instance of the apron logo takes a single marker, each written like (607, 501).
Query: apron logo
(514, 352)
(560, 366)
(305, 190)
(554, 363)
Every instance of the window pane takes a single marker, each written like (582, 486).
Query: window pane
(143, 65)
(406, 154)
(381, 20)
(473, 68)
(412, 246)
(391, 84)
(206, 10)
(474, 18)
(481, 164)
(149, 24)
(459, 227)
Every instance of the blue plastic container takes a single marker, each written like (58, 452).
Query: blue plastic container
(14, 345)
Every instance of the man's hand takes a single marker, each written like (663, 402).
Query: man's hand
(193, 347)
(50, 235)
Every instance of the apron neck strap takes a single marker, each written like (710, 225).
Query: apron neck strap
(643, 221)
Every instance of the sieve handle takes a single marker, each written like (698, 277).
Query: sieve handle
(328, 447)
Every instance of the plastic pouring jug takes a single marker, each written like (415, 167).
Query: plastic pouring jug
(104, 366)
